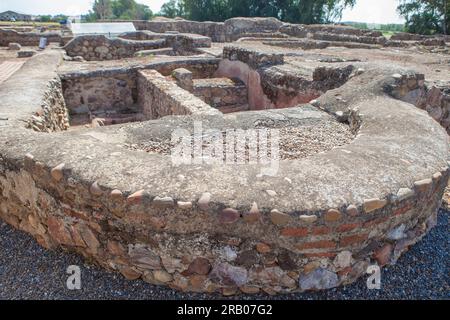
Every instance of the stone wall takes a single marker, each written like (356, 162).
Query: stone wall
(103, 48)
(404, 36)
(159, 97)
(213, 30)
(92, 94)
(222, 93)
(271, 87)
(99, 47)
(138, 214)
(27, 38)
(116, 89)
(433, 98)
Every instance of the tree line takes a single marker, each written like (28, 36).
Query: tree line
(294, 11)
(118, 9)
(421, 16)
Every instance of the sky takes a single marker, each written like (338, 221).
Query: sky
(379, 11)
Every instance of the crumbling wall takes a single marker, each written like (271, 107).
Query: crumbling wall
(221, 92)
(159, 97)
(433, 98)
(8, 36)
(53, 115)
(99, 47)
(99, 93)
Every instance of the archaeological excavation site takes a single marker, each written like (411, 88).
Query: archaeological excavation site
(87, 142)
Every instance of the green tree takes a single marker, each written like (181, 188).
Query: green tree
(296, 11)
(426, 16)
(172, 9)
(102, 9)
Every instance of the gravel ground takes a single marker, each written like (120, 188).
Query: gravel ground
(27, 271)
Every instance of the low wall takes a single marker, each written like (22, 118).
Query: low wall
(213, 30)
(99, 47)
(434, 99)
(27, 38)
(269, 87)
(221, 92)
(159, 97)
(53, 115)
(90, 94)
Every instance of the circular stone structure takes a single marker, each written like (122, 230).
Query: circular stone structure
(317, 223)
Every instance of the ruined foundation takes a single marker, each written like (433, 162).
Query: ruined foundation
(86, 166)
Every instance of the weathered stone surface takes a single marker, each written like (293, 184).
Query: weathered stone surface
(199, 266)
(163, 202)
(343, 259)
(279, 218)
(229, 216)
(14, 46)
(308, 219)
(404, 193)
(143, 258)
(227, 274)
(204, 201)
(373, 204)
(57, 172)
(332, 215)
(318, 279)
(383, 254)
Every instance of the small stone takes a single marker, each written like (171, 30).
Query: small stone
(397, 233)
(343, 260)
(308, 219)
(26, 53)
(314, 103)
(397, 76)
(229, 253)
(311, 266)
(383, 255)
(136, 197)
(333, 215)
(57, 172)
(279, 218)
(116, 194)
(437, 176)
(360, 71)
(130, 273)
(229, 216)
(352, 210)
(271, 193)
(229, 291)
(95, 189)
(163, 202)
(162, 276)
(371, 205)
(29, 157)
(247, 258)
(184, 205)
(423, 185)
(14, 46)
(253, 215)
(249, 289)
(204, 201)
(199, 266)
(230, 275)
(262, 248)
(404, 193)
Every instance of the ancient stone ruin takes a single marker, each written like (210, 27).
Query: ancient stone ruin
(87, 135)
